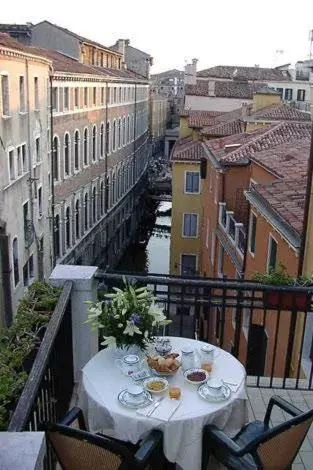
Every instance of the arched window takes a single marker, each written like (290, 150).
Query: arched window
(67, 154)
(55, 158)
(119, 133)
(101, 198)
(101, 140)
(15, 262)
(107, 138)
(86, 146)
(94, 211)
(76, 150)
(94, 142)
(57, 236)
(114, 136)
(67, 228)
(86, 211)
(124, 131)
(113, 189)
(77, 214)
(127, 131)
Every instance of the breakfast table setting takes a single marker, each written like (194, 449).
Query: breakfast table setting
(128, 396)
(143, 380)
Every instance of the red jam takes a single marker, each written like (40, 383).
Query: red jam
(196, 376)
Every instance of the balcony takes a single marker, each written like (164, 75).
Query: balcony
(272, 341)
(234, 230)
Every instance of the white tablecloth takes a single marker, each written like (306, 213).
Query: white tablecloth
(102, 381)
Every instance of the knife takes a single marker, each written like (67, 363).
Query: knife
(157, 403)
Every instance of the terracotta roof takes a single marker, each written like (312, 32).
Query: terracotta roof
(223, 129)
(248, 73)
(62, 63)
(202, 118)
(279, 112)
(263, 138)
(224, 89)
(7, 41)
(187, 149)
(288, 160)
(287, 198)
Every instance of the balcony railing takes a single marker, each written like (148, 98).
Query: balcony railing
(48, 390)
(234, 230)
(265, 327)
(268, 328)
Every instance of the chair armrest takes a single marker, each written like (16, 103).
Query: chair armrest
(147, 446)
(283, 404)
(74, 413)
(219, 437)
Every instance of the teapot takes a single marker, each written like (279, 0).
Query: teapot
(129, 364)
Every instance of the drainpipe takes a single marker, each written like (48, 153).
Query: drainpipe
(106, 188)
(135, 128)
(52, 171)
(30, 163)
(306, 209)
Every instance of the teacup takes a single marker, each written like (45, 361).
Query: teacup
(135, 393)
(215, 386)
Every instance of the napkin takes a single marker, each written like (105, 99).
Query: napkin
(164, 411)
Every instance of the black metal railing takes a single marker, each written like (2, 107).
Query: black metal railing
(265, 327)
(48, 390)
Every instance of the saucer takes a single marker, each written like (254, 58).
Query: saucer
(206, 393)
(128, 400)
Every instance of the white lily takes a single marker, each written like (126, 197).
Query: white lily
(131, 329)
(109, 341)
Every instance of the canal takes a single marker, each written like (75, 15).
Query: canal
(150, 253)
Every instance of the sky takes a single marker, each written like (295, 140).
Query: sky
(225, 32)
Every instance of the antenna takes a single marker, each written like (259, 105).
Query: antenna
(311, 41)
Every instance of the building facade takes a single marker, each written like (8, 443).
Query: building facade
(96, 122)
(170, 84)
(223, 88)
(159, 117)
(25, 178)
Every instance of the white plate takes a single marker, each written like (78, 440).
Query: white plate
(194, 382)
(152, 379)
(125, 399)
(205, 393)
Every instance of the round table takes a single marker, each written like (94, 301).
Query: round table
(102, 381)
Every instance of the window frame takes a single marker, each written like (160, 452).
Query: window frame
(252, 215)
(15, 263)
(301, 92)
(197, 225)
(6, 110)
(185, 182)
(271, 238)
(196, 256)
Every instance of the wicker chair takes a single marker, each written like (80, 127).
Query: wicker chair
(257, 446)
(78, 449)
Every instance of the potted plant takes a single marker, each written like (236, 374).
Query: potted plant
(284, 300)
(127, 317)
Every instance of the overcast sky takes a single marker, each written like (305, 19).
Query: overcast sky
(233, 32)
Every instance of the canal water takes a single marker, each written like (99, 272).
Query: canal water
(150, 253)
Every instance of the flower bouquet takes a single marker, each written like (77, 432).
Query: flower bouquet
(127, 317)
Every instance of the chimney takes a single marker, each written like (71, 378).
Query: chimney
(121, 45)
(211, 88)
(193, 69)
(245, 110)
